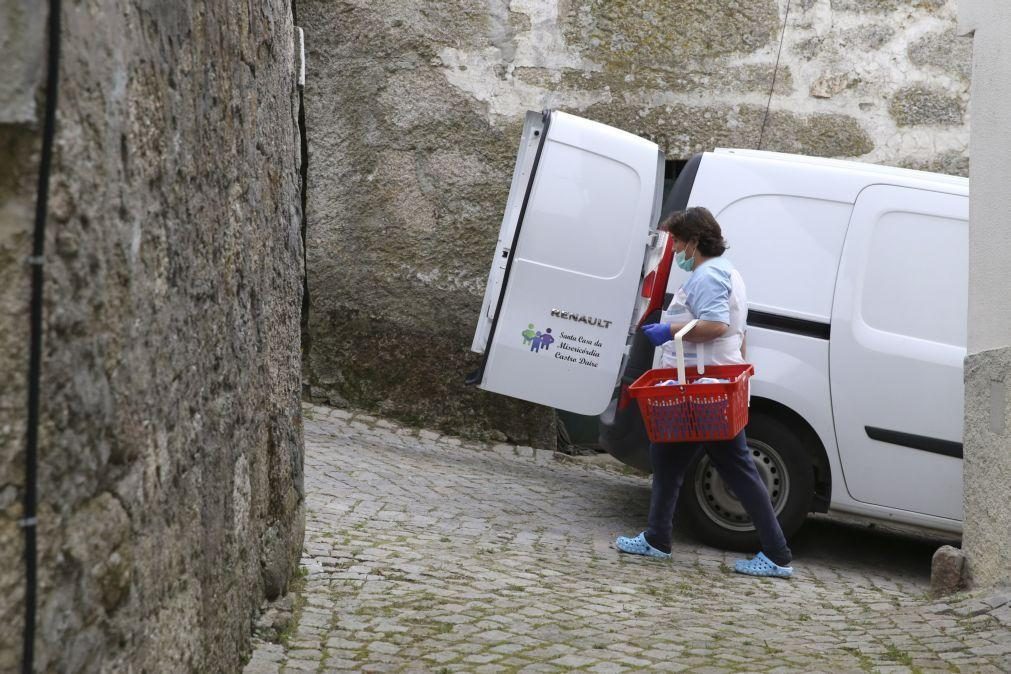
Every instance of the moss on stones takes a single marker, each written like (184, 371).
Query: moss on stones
(886, 5)
(945, 51)
(952, 162)
(867, 37)
(646, 80)
(919, 105)
(458, 23)
(684, 130)
(656, 32)
(819, 135)
(865, 5)
(17, 201)
(545, 77)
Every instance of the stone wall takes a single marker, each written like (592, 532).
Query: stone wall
(170, 482)
(423, 104)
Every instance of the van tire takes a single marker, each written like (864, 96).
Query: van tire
(780, 450)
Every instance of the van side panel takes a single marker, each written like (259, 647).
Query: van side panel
(790, 251)
(898, 345)
(792, 370)
(785, 223)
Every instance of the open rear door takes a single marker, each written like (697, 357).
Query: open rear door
(568, 264)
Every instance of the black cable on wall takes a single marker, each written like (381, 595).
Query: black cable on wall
(775, 71)
(29, 522)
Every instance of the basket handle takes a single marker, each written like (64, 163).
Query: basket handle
(699, 351)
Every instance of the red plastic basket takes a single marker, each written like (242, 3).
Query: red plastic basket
(694, 412)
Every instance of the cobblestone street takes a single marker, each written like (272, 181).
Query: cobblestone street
(427, 554)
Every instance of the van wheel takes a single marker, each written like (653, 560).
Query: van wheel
(711, 510)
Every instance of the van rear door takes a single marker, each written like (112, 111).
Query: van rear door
(569, 261)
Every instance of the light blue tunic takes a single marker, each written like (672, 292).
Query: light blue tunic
(714, 292)
(708, 290)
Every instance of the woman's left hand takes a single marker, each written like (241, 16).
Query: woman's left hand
(658, 333)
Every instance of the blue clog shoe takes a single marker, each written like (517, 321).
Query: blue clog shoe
(760, 565)
(639, 546)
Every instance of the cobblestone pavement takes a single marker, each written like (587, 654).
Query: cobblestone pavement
(427, 554)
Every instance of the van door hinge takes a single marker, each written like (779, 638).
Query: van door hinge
(654, 239)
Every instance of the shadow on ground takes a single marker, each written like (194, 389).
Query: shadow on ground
(874, 548)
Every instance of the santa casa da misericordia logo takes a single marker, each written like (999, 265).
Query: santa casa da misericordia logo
(537, 339)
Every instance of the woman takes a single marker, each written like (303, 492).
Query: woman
(714, 294)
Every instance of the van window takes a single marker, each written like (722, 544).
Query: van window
(581, 212)
(916, 281)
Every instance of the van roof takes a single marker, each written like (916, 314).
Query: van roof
(852, 166)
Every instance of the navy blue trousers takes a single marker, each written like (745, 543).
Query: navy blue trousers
(732, 459)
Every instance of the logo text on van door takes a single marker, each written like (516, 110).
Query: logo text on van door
(580, 318)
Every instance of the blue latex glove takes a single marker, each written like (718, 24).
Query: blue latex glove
(658, 333)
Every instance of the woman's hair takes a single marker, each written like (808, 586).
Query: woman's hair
(697, 224)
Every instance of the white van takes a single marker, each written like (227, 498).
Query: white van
(857, 285)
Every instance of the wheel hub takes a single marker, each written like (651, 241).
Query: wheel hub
(720, 503)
